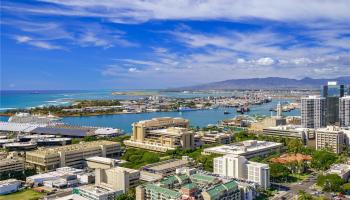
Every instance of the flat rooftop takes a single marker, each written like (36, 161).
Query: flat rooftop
(160, 166)
(243, 147)
(99, 159)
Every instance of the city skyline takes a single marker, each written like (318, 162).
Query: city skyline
(150, 44)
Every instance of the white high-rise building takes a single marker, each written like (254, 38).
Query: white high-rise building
(313, 112)
(344, 111)
(235, 166)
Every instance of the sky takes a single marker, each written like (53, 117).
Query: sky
(143, 44)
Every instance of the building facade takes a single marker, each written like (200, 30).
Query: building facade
(161, 134)
(331, 137)
(313, 112)
(332, 92)
(344, 111)
(239, 167)
(11, 164)
(49, 159)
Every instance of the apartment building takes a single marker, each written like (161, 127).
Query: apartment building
(344, 111)
(331, 137)
(161, 134)
(313, 112)
(235, 166)
(48, 159)
(11, 164)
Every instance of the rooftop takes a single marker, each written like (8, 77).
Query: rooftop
(172, 163)
(163, 191)
(243, 147)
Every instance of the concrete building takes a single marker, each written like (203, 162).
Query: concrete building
(290, 131)
(343, 170)
(9, 186)
(248, 148)
(11, 164)
(92, 192)
(213, 137)
(157, 171)
(331, 137)
(239, 167)
(161, 134)
(228, 190)
(344, 111)
(117, 178)
(48, 159)
(313, 112)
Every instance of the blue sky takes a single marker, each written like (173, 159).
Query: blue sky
(86, 44)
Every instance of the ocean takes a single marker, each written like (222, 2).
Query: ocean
(27, 99)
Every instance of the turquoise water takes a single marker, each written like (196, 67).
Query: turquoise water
(200, 118)
(27, 99)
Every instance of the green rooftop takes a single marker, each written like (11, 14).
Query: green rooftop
(164, 191)
(190, 186)
(218, 189)
(168, 180)
(203, 178)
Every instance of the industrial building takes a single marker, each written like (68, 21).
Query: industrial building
(74, 155)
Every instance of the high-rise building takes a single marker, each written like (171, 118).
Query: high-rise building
(344, 111)
(313, 112)
(332, 92)
(239, 167)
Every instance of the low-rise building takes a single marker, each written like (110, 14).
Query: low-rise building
(343, 170)
(189, 186)
(157, 171)
(290, 131)
(248, 148)
(9, 186)
(161, 134)
(235, 166)
(11, 164)
(48, 159)
(212, 137)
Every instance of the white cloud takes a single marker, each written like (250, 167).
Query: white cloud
(36, 43)
(265, 61)
(133, 69)
(22, 39)
(137, 11)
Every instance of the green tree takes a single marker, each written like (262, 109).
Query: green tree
(330, 182)
(279, 172)
(295, 146)
(322, 160)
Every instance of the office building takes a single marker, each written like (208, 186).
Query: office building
(9, 186)
(332, 138)
(235, 166)
(313, 112)
(92, 192)
(332, 92)
(48, 159)
(11, 164)
(289, 131)
(344, 111)
(213, 137)
(117, 178)
(161, 134)
(248, 148)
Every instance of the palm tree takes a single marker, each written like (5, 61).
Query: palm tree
(302, 195)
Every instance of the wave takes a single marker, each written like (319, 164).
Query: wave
(8, 108)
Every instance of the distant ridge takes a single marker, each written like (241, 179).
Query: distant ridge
(267, 83)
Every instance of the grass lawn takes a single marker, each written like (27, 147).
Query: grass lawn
(22, 195)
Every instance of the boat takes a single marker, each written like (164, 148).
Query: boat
(182, 108)
(226, 112)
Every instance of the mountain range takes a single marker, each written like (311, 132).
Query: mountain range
(267, 83)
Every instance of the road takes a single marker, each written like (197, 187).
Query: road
(290, 190)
